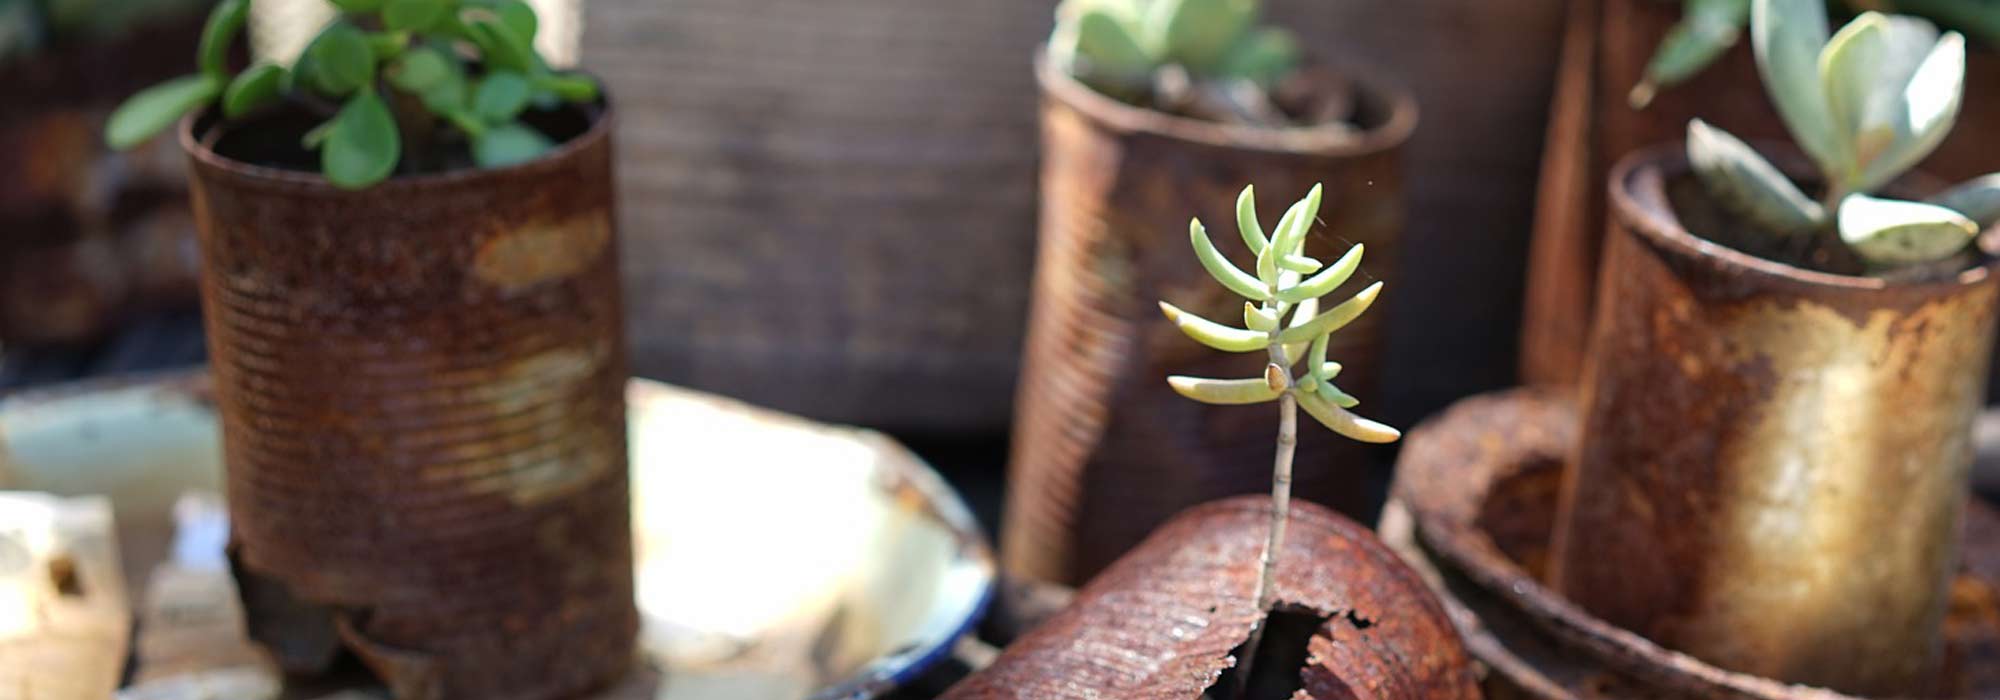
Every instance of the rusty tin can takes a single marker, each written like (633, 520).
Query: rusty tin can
(1773, 461)
(1103, 449)
(421, 387)
(1161, 623)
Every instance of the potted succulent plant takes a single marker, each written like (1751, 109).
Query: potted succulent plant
(1786, 364)
(1633, 73)
(91, 237)
(414, 324)
(1146, 104)
(1324, 612)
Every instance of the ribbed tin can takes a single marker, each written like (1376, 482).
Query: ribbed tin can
(1103, 449)
(421, 387)
(1772, 461)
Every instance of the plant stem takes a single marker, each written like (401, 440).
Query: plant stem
(1281, 511)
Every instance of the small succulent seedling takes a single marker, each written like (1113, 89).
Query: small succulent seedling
(1287, 284)
(1866, 104)
(1131, 49)
(386, 74)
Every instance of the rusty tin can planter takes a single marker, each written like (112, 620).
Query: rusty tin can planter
(1772, 461)
(421, 389)
(1161, 623)
(1103, 450)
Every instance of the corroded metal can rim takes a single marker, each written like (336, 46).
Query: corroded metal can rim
(195, 129)
(1334, 140)
(1638, 199)
(1453, 481)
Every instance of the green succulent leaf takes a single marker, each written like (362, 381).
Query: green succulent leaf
(500, 97)
(509, 144)
(153, 109)
(1223, 392)
(1920, 115)
(433, 76)
(1861, 71)
(1301, 264)
(1892, 232)
(1327, 280)
(414, 15)
(1291, 234)
(363, 146)
(1788, 36)
(1334, 319)
(502, 48)
(341, 61)
(260, 86)
(357, 6)
(1197, 34)
(519, 16)
(1246, 221)
(1259, 319)
(316, 137)
(1100, 48)
(1341, 421)
(1708, 28)
(225, 22)
(1334, 395)
(1242, 283)
(1215, 335)
(1303, 312)
(1978, 199)
(569, 87)
(1746, 183)
(1264, 57)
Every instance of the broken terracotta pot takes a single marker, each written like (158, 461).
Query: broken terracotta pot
(1473, 511)
(421, 387)
(1103, 450)
(1163, 621)
(1772, 461)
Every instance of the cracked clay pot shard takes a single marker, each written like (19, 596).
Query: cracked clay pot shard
(1160, 624)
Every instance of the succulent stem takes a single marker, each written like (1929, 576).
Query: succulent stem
(1281, 504)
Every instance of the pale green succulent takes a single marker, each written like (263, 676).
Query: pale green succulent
(1286, 283)
(1866, 104)
(1119, 47)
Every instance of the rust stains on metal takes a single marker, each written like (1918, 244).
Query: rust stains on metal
(1160, 623)
(1475, 482)
(1772, 461)
(422, 394)
(1094, 415)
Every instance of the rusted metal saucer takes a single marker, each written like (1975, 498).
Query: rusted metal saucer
(1473, 507)
(777, 558)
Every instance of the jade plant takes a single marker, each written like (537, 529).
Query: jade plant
(1199, 52)
(1709, 28)
(396, 83)
(1282, 320)
(1866, 104)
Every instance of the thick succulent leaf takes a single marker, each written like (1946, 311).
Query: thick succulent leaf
(1223, 392)
(1198, 34)
(1305, 311)
(1242, 283)
(1862, 71)
(1707, 29)
(1327, 371)
(500, 46)
(509, 144)
(153, 109)
(1327, 280)
(519, 16)
(1265, 57)
(1978, 199)
(341, 61)
(225, 22)
(413, 15)
(1302, 264)
(1267, 260)
(1746, 183)
(500, 97)
(363, 145)
(1341, 421)
(1258, 318)
(1316, 355)
(1334, 395)
(569, 87)
(1893, 232)
(1100, 47)
(255, 88)
(1788, 36)
(1334, 319)
(1246, 221)
(1290, 237)
(1215, 335)
(357, 6)
(1921, 114)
